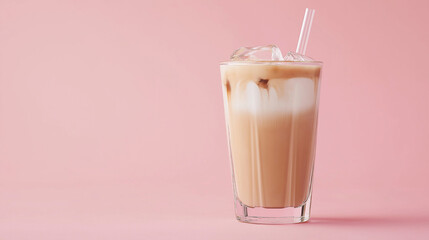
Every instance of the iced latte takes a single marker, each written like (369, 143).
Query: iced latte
(271, 113)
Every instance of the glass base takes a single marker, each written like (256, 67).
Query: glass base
(261, 215)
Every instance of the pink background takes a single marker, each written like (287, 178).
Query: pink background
(112, 125)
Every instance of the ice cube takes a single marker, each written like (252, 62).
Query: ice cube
(292, 96)
(296, 57)
(300, 94)
(264, 53)
(254, 97)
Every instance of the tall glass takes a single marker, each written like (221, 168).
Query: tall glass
(271, 112)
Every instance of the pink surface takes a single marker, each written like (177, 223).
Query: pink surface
(112, 125)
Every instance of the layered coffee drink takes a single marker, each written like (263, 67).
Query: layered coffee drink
(271, 112)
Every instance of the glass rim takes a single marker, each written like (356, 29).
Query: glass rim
(270, 62)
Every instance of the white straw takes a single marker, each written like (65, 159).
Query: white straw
(305, 31)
